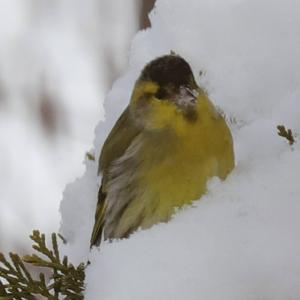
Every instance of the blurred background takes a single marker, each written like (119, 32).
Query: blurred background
(58, 59)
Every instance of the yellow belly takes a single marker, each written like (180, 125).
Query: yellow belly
(180, 170)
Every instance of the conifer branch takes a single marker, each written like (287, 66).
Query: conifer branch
(16, 281)
(90, 156)
(286, 133)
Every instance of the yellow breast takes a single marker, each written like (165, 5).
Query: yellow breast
(176, 170)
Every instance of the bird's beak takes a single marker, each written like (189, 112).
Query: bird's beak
(187, 96)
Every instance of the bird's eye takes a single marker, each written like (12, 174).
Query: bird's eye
(161, 94)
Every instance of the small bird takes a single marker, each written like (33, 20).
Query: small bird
(161, 152)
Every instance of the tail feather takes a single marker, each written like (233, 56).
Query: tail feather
(99, 219)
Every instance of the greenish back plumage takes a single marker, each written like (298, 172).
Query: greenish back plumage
(118, 140)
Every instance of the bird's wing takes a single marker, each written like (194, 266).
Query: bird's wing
(118, 141)
(116, 144)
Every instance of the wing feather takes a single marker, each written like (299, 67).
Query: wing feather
(116, 144)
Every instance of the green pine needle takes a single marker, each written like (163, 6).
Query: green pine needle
(16, 281)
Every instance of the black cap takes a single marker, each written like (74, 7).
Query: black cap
(168, 69)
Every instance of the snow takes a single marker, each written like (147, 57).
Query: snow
(240, 240)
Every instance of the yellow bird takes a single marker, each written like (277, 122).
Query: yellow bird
(161, 152)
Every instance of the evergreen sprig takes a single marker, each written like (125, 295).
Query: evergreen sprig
(90, 156)
(65, 282)
(286, 133)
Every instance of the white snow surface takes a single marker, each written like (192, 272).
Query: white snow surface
(240, 240)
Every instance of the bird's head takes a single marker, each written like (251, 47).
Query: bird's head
(166, 92)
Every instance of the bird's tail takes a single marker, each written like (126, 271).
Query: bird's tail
(99, 219)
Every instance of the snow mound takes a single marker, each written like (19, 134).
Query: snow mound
(241, 240)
